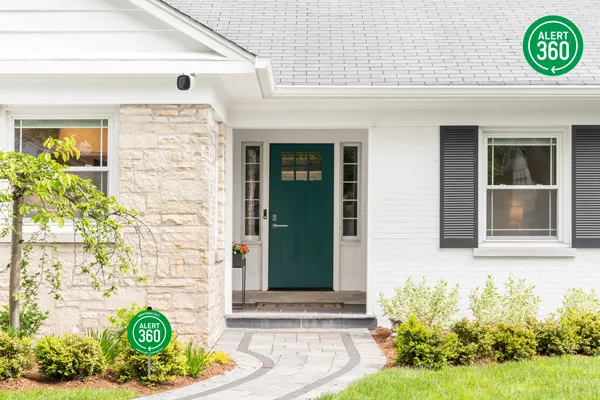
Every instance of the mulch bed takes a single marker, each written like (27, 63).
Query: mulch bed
(383, 339)
(34, 380)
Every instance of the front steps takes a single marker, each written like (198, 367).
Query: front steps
(308, 320)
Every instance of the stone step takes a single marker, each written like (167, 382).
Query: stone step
(255, 320)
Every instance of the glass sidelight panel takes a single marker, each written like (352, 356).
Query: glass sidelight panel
(350, 181)
(252, 191)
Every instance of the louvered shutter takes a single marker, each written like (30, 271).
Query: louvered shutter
(586, 186)
(458, 186)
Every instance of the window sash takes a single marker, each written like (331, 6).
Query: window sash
(552, 140)
(353, 199)
(251, 222)
(102, 123)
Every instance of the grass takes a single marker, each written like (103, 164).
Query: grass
(543, 378)
(66, 394)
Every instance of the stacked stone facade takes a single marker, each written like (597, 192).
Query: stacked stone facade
(172, 172)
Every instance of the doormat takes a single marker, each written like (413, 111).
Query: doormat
(299, 306)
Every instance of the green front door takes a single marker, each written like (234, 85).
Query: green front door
(301, 216)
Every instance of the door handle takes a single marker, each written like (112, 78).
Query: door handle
(275, 226)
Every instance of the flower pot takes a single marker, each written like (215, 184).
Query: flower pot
(239, 260)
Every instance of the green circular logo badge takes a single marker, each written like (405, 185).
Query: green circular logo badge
(149, 332)
(553, 45)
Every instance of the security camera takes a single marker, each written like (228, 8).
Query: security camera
(185, 81)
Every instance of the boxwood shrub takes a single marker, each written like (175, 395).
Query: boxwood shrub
(69, 357)
(15, 354)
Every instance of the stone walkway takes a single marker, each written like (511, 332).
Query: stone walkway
(286, 364)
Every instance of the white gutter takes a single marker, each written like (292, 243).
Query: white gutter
(264, 71)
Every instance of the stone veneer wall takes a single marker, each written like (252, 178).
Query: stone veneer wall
(173, 174)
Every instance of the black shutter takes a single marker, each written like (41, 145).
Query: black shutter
(586, 186)
(458, 186)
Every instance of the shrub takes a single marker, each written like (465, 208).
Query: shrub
(420, 346)
(432, 306)
(166, 365)
(110, 343)
(588, 332)
(15, 353)
(30, 318)
(513, 342)
(123, 317)
(556, 337)
(518, 304)
(577, 301)
(475, 341)
(219, 357)
(197, 359)
(69, 357)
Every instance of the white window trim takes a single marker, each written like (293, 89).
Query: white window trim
(66, 234)
(359, 216)
(551, 247)
(253, 239)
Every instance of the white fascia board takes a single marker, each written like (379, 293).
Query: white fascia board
(265, 75)
(194, 29)
(122, 67)
(435, 92)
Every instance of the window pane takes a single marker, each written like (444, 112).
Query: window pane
(301, 174)
(301, 158)
(521, 165)
(252, 155)
(98, 178)
(524, 212)
(252, 208)
(287, 158)
(351, 173)
(287, 173)
(350, 154)
(350, 191)
(252, 172)
(350, 209)
(315, 173)
(252, 190)
(63, 123)
(316, 158)
(252, 227)
(350, 227)
(92, 143)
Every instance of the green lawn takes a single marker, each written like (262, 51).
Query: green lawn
(544, 378)
(65, 394)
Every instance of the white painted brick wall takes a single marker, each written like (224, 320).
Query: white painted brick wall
(404, 196)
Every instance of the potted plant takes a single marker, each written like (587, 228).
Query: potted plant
(239, 254)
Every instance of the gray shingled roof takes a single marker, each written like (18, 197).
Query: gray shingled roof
(398, 42)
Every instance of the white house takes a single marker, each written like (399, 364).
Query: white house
(350, 143)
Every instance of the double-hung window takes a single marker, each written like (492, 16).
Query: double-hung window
(522, 187)
(91, 136)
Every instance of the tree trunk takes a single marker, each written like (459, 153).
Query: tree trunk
(16, 249)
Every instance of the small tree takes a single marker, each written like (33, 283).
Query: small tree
(39, 188)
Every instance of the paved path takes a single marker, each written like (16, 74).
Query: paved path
(287, 364)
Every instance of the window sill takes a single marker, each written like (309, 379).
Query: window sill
(534, 249)
(61, 235)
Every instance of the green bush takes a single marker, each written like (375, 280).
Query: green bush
(578, 301)
(197, 359)
(513, 342)
(69, 357)
(420, 346)
(556, 337)
(518, 304)
(432, 306)
(122, 318)
(110, 342)
(15, 353)
(166, 365)
(475, 341)
(30, 318)
(588, 332)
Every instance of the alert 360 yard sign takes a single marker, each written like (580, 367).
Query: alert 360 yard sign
(149, 332)
(553, 45)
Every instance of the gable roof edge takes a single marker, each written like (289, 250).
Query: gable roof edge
(194, 29)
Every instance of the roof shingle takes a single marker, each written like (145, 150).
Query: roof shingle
(398, 42)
